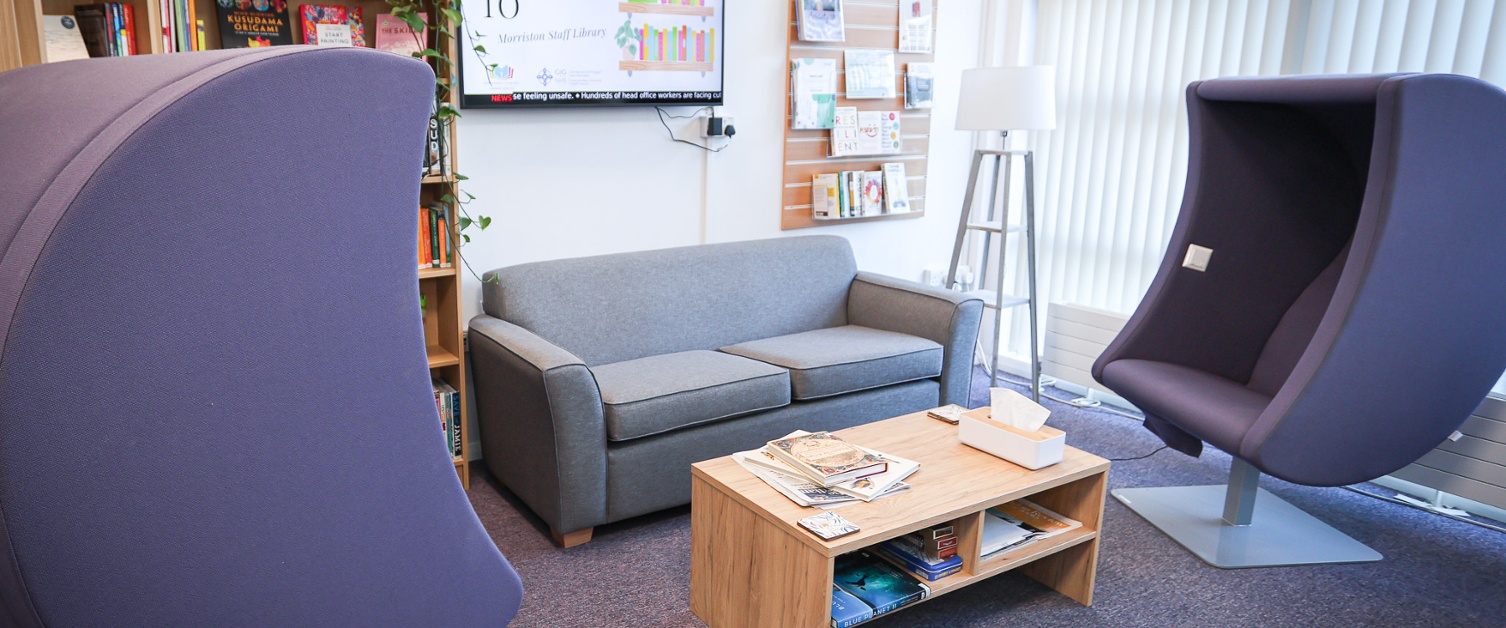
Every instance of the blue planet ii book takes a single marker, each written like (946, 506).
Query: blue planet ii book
(876, 582)
(847, 610)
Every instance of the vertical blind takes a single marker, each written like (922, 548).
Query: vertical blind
(1111, 174)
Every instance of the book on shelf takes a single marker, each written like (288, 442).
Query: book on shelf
(394, 35)
(906, 552)
(876, 582)
(436, 147)
(107, 28)
(435, 247)
(856, 132)
(826, 458)
(820, 20)
(868, 73)
(813, 90)
(257, 24)
(915, 25)
(825, 203)
(847, 610)
(91, 27)
(920, 85)
(448, 401)
(873, 193)
(896, 189)
(63, 39)
(332, 25)
(1020, 523)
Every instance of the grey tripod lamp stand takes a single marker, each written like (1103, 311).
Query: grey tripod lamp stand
(1004, 99)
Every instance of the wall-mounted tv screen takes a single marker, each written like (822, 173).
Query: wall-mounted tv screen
(545, 53)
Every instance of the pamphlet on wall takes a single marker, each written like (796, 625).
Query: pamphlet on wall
(870, 73)
(920, 85)
(915, 25)
(896, 189)
(864, 132)
(821, 20)
(813, 88)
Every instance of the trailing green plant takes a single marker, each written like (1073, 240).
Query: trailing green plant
(445, 20)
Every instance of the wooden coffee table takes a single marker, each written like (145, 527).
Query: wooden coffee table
(751, 565)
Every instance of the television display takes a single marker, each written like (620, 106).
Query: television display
(547, 53)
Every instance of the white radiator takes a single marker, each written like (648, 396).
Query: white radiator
(1075, 336)
(1472, 467)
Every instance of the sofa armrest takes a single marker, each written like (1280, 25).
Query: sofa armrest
(948, 318)
(542, 430)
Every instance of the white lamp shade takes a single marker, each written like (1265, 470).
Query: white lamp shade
(1007, 99)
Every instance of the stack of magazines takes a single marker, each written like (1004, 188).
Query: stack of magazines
(822, 470)
(1019, 523)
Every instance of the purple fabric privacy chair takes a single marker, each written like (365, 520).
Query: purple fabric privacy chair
(1350, 315)
(214, 399)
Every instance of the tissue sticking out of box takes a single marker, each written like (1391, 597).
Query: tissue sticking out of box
(1015, 410)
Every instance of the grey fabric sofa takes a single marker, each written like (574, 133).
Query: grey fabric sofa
(599, 380)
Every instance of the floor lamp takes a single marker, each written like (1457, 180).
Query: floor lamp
(1004, 99)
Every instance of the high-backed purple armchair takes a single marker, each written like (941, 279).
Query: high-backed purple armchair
(214, 399)
(1351, 314)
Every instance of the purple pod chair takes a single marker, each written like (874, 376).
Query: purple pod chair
(214, 397)
(1349, 317)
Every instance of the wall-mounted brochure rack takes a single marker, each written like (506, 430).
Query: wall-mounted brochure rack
(868, 25)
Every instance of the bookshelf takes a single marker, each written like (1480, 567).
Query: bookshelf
(21, 44)
(871, 25)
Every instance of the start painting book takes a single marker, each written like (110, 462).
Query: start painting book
(333, 25)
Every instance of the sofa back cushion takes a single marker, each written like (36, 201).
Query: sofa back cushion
(610, 308)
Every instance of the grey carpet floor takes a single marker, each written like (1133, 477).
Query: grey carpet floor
(1436, 572)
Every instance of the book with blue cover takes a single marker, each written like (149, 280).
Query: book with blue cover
(847, 610)
(876, 582)
(914, 560)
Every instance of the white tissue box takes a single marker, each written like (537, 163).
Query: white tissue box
(1032, 450)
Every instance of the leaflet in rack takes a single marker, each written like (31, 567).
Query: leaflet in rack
(856, 132)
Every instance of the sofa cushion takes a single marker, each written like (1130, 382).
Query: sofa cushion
(661, 393)
(837, 360)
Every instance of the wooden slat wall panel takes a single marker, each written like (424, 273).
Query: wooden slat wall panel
(869, 24)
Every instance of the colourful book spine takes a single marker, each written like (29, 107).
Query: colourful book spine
(191, 19)
(129, 11)
(198, 30)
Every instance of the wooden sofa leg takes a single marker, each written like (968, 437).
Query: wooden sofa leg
(571, 539)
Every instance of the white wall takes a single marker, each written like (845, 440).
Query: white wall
(567, 183)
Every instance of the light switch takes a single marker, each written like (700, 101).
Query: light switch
(1197, 257)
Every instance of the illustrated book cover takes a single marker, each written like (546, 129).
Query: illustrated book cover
(846, 610)
(827, 458)
(876, 582)
(394, 35)
(254, 23)
(821, 20)
(332, 25)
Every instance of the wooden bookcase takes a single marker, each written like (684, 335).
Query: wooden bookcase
(21, 45)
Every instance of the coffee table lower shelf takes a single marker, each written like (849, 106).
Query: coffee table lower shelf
(750, 566)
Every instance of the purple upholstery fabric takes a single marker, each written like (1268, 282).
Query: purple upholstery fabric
(214, 400)
(1352, 276)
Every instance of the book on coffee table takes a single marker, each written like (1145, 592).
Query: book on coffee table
(826, 458)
